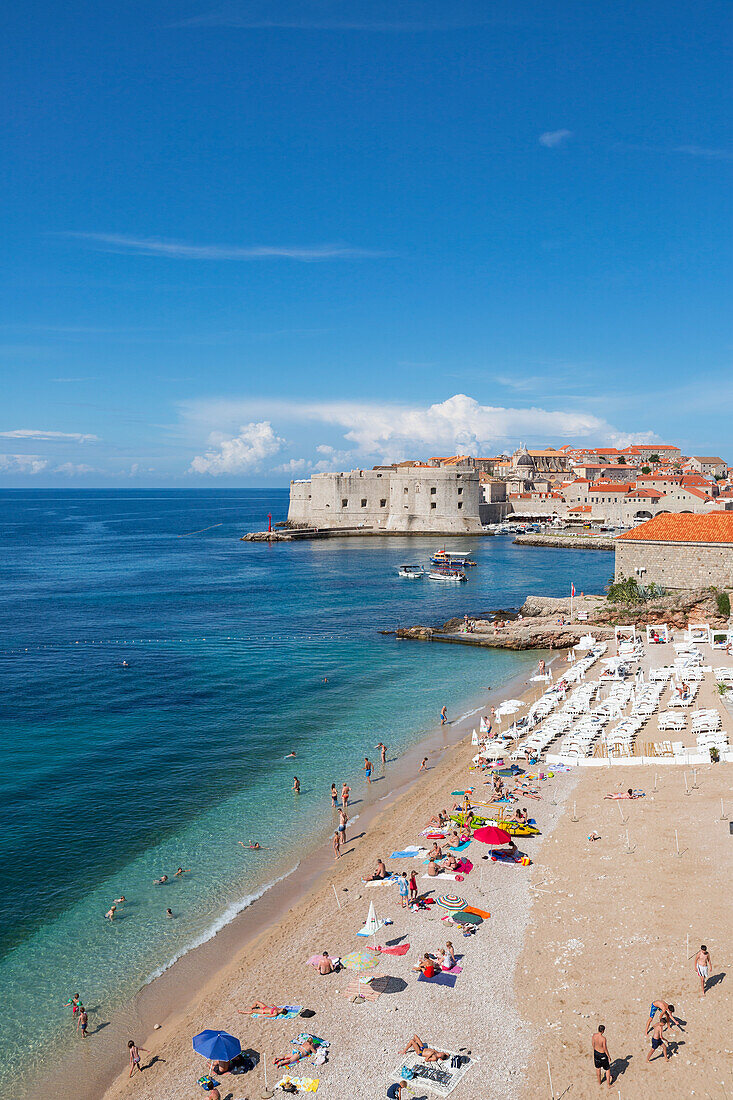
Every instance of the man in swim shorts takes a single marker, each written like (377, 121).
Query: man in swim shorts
(666, 1015)
(601, 1057)
(423, 1050)
(368, 769)
(658, 1039)
(703, 965)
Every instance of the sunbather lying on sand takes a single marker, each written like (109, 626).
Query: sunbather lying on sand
(423, 1050)
(627, 794)
(300, 1050)
(262, 1010)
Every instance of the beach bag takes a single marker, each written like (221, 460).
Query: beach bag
(407, 1073)
(307, 1013)
(207, 1083)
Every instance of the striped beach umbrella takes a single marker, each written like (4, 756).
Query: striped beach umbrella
(452, 902)
(360, 960)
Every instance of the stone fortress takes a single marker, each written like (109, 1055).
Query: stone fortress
(458, 494)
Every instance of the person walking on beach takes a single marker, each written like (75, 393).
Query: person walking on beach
(345, 793)
(337, 845)
(343, 822)
(424, 765)
(413, 885)
(601, 1057)
(703, 966)
(334, 796)
(82, 1021)
(135, 1052)
(444, 716)
(368, 769)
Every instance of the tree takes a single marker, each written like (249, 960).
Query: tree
(646, 469)
(654, 458)
(621, 460)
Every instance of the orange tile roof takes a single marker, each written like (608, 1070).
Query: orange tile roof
(580, 508)
(715, 527)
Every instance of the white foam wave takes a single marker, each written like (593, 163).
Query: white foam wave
(226, 917)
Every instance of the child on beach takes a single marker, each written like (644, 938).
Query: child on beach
(135, 1052)
(413, 886)
(334, 796)
(404, 888)
(73, 1003)
(82, 1021)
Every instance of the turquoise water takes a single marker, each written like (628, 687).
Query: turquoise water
(113, 776)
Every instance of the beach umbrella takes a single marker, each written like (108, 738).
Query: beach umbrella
(360, 960)
(373, 924)
(451, 901)
(490, 834)
(219, 1046)
(467, 918)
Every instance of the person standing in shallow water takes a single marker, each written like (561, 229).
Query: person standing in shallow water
(368, 769)
(296, 784)
(334, 796)
(444, 716)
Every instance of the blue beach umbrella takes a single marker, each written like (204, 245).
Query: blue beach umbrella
(219, 1046)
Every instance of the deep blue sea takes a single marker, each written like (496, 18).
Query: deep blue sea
(112, 776)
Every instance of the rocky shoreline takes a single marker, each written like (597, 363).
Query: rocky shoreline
(544, 623)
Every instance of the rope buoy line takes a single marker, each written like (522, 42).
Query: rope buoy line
(260, 638)
(200, 531)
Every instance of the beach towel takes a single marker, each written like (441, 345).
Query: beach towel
(408, 853)
(290, 1014)
(456, 969)
(478, 912)
(459, 847)
(400, 949)
(441, 978)
(443, 875)
(314, 960)
(391, 879)
(464, 867)
(302, 1084)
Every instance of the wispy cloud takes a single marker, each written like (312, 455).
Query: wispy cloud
(703, 151)
(65, 380)
(74, 469)
(397, 16)
(54, 437)
(552, 138)
(181, 250)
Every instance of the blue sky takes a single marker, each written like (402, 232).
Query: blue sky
(244, 239)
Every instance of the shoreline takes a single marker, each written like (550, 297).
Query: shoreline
(183, 982)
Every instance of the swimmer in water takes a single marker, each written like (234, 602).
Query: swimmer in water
(119, 900)
(125, 664)
(180, 871)
(290, 756)
(110, 914)
(296, 784)
(169, 912)
(161, 880)
(254, 845)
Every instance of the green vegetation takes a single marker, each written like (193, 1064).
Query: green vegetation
(621, 461)
(646, 469)
(628, 591)
(654, 458)
(723, 601)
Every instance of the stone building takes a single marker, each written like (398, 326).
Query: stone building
(406, 499)
(679, 551)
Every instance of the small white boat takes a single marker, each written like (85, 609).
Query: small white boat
(413, 572)
(452, 576)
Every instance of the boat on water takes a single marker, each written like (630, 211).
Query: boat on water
(447, 557)
(413, 572)
(455, 576)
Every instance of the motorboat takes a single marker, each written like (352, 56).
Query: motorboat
(413, 572)
(446, 557)
(454, 576)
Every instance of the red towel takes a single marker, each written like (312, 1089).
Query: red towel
(401, 949)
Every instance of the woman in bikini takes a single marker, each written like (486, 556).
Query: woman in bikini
(135, 1052)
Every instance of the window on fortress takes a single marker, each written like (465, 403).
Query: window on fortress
(460, 503)
(363, 502)
(460, 490)
(383, 502)
(433, 505)
(433, 490)
(344, 502)
(405, 488)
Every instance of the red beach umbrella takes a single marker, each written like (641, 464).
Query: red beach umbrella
(489, 834)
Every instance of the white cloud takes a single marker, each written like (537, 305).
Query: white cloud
(703, 151)
(181, 250)
(22, 464)
(74, 469)
(393, 432)
(294, 466)
(234, 454)
(54, 437)
(552, 138)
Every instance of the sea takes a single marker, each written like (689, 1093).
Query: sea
(155, 673)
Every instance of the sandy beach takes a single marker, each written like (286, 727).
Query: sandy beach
(590, 933)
